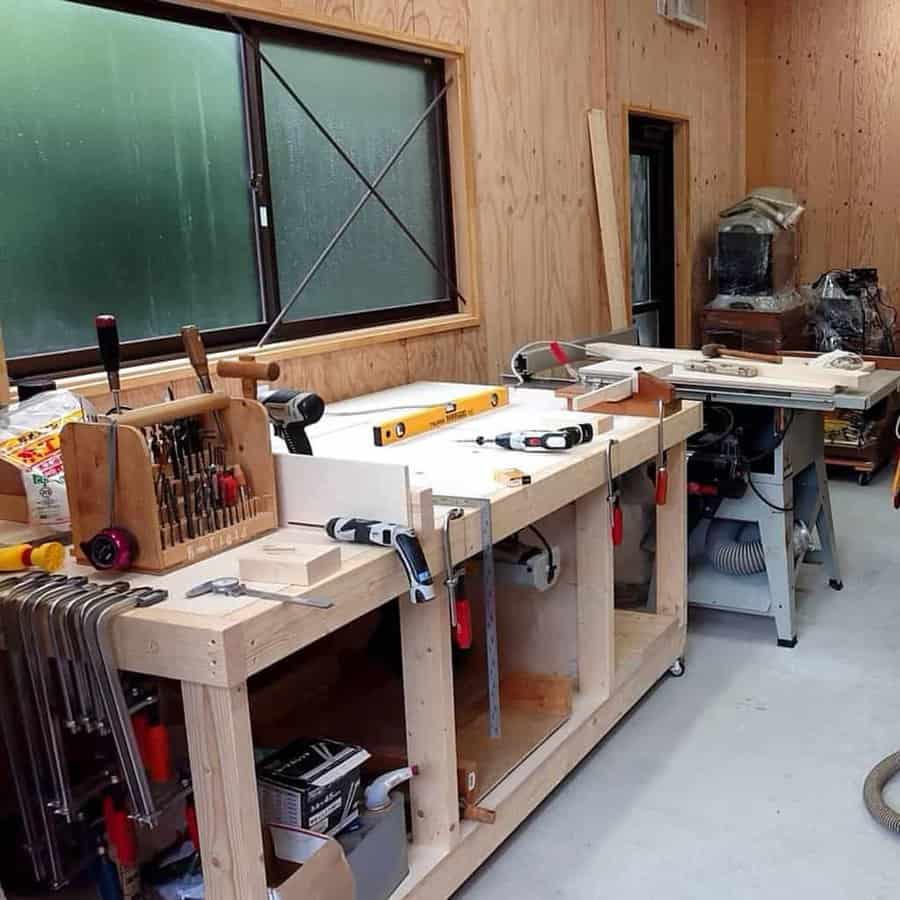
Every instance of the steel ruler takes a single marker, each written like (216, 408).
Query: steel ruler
(489, 589)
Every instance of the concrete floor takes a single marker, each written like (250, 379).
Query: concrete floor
(744, 778)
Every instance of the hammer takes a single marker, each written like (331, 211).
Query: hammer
(715, 351)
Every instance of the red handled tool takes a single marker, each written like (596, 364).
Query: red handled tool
(527, 441)
(190, 820)
(460, 610)
(616, 527)
(662, 472)
(120, 831)
(110, 354)
(462, 630)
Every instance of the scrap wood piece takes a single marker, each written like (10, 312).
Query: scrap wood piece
(609, 225)
(475, 813)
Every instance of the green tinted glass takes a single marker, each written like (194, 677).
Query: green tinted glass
(369, 102)
(124, 177)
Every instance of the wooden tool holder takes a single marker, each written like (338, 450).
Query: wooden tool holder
(247, 443)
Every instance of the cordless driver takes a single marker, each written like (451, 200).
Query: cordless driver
(291, 411)
(384, 534)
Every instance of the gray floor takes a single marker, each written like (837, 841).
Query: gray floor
(743, 779)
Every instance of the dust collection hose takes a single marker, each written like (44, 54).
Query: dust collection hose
(873, 792)
(735, 548)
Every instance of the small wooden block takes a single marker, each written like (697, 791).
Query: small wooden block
(422, 509)
(512, 477)
(290, 564)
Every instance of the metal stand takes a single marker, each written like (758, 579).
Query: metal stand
(796, 489)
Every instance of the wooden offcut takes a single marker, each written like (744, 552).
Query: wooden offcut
(281, 563)
(619, 316)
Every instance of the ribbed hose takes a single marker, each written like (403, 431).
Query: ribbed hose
(734, 548)
(873, 792)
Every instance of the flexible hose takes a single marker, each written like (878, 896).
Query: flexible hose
(734, 548)
(873, 793)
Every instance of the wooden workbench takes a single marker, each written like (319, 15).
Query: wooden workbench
(214, 644)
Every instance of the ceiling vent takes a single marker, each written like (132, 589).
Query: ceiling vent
(690, 13)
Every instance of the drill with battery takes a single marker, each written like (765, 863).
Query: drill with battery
(291, 411)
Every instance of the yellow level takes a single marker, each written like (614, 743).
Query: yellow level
(424, 420)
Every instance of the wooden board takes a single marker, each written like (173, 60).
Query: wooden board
(314, 489)
(523, 732)
(301, 564)
(794, 374)
(609, 223)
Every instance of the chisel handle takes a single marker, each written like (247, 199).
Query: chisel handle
(110, 349)
(193, 346)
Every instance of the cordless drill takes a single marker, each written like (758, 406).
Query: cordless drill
(291, 411)
(384, 534)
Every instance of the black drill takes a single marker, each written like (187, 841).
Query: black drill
(291, 411)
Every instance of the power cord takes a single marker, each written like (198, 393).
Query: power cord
(551, 562)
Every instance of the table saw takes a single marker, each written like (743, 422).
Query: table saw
(753, 524)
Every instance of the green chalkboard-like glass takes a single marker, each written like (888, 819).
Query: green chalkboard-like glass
(369, 103)
(124, 184)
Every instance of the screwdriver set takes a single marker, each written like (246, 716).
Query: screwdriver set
(185, 479)
(90, 754)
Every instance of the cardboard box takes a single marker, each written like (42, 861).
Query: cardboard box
(312, 784)
(324, 875)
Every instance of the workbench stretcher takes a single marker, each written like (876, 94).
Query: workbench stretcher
(214, 644)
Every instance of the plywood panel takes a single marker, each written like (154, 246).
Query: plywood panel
(574, 293)
(507, 119)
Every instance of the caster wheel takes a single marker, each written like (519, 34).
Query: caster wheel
(836, 584)
(677, 668)
(864, 478)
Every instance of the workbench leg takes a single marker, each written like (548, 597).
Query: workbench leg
(672, 541)
(595, 593)
(224, 777)
(825, 526)
(430, 720)
(776, 530)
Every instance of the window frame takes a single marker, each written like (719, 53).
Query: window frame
(355, 325)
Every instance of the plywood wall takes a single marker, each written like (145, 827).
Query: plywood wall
(699, 75)
(823, 116)
(537, 66)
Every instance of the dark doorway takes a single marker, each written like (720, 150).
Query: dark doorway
(651, 145)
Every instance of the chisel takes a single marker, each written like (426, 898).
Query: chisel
(193, 345)
(110, 354)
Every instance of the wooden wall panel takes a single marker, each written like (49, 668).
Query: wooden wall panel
(536, 67)
(699, 75)
(823, 117)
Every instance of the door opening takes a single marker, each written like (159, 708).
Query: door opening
(651, 156)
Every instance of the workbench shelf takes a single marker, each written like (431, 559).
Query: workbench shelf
(571, 665)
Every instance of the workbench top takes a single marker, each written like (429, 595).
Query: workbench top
(221, 640)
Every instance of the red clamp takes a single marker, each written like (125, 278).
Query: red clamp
(462, 631)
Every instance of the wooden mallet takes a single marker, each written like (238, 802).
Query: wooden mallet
(719, 351)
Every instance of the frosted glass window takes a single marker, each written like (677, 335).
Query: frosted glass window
(124, 177)
(369, 101)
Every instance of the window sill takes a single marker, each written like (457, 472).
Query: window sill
(95, 385)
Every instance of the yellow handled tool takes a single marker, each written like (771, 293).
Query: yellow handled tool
(48, 557)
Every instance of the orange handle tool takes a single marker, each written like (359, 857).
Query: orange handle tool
(895, 486)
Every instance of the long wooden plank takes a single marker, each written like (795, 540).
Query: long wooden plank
(595, 566)
(794, 374)
(224, 779)
(609, 225)
(430, 720)
(313, 489)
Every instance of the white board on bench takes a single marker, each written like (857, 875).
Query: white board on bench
(314, 489)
